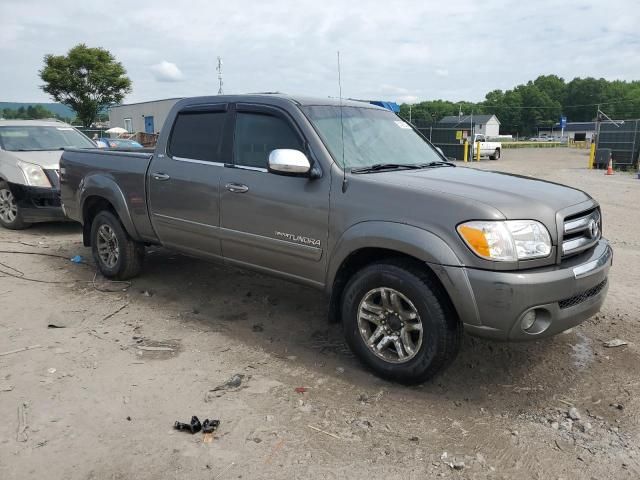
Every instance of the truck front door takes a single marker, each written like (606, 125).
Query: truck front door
(184, 181)
(269, 221)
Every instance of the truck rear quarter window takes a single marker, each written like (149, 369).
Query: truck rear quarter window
(197, 136)
(257, 135)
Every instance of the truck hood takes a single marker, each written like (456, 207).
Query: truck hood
(514, 196)
(47, 159)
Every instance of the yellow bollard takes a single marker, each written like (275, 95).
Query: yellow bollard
(477, 151)
(466, 151)
(592, 155)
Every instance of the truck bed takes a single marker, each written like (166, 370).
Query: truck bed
(85, 170)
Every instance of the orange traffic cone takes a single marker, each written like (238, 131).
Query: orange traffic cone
(610, 167)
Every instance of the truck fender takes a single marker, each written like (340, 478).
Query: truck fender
(400, 237)
(105, 187)
(409, 240)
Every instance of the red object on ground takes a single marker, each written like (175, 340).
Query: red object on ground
(301, 389)
(610, 167)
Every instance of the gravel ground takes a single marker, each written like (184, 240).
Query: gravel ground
(98, 397)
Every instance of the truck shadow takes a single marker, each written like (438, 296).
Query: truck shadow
(290, 322)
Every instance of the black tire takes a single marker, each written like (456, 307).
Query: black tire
(442, 330)
(496, 155)
(130, 253)
(15, 223)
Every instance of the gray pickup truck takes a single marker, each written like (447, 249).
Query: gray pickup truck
(348, 198)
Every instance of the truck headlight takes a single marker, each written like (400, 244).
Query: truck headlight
(506, 241)
(34, 175)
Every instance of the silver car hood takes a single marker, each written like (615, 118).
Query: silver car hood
(47, 159)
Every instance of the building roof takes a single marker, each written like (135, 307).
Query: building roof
(175, 99)
(393, 106)
(573, 127)
(467, 119)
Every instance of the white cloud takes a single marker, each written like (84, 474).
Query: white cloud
(407, 99)
(167, 72)
(442, 72)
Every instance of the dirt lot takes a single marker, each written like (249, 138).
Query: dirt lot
(100, 395)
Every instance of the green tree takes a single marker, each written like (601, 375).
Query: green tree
(86, 79)
(32, 112)
(552, 85)
(582, 96)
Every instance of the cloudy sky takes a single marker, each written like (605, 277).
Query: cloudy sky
(402, 50)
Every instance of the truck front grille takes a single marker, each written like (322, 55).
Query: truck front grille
(586, 295)
(581, 232)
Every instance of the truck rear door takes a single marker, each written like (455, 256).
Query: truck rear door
(184, 181)
(274, 222)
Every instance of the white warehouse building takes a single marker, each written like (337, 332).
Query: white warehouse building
(487, 125)
(147, 117)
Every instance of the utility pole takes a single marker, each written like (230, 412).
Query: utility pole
(219, 69)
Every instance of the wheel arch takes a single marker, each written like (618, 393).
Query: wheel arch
(102, 193)
(368, 242)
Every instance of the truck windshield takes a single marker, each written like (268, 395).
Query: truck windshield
(32, 137)
(371, 137)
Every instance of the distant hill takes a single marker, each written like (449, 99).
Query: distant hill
(56, 108)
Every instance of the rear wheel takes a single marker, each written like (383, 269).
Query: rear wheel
(115, 253)
(399, 322)
(496, 155)
(10, 214)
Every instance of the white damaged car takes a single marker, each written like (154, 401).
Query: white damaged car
(30, 153)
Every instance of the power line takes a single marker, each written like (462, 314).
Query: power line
(561, 106)
(521, 107)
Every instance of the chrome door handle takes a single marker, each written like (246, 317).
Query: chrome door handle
(160, 176)
(236, 187)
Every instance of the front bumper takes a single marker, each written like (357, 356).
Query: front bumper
(563, 296)
(38, 204)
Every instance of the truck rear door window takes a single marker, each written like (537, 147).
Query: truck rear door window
(257, 135)
(197, 136)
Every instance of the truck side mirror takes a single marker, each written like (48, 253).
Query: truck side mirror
(285, 161)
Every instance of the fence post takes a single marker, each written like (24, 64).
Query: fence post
(477, 151)
(592, 155)
(466, 151)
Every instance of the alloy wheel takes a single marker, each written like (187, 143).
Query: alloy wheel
(390, 325)
(108, 247)
(8, 206)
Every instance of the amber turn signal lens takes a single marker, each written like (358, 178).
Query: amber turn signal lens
(475, 239)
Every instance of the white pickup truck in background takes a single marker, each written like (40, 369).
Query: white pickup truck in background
(487, 149)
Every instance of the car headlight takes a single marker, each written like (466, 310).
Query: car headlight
(506, 241)
(34, 175)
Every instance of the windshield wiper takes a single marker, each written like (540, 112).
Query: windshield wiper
(385, 166)
(436, 164)
(400, 166)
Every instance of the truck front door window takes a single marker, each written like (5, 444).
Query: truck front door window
(257, 135)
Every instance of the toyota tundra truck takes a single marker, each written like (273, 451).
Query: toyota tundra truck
(346, 197)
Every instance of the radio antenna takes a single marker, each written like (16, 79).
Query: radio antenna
(344, 165)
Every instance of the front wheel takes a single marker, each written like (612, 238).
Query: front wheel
(10, 214)
(399, 321)
(496, 155)
(115, 253)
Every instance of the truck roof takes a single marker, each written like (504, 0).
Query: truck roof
(277, 98)
(36, 123)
